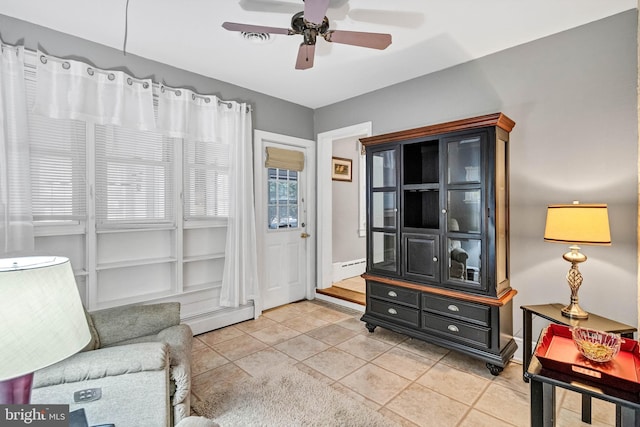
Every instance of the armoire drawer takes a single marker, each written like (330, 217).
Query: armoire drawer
(394, 312)
(463, 310)
(458, 330)
(393, 293)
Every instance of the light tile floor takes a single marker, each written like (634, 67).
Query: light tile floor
(407, 380)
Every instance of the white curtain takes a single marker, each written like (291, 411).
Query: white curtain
(182, 113)
(16, 219)
(240, 280)
(68, 89)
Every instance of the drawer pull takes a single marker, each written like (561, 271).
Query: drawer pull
(453, 307)
(453, 328)
(435, 259)
(392, 311)
(392, 294)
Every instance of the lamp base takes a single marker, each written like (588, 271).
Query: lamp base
(573, 311)
(16, 391)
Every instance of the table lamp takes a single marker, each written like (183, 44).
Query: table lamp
(577, 224)
(42, 321)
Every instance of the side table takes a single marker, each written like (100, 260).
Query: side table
(543, 396)
(553, 313)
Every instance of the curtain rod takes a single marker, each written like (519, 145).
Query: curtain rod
(130, 80)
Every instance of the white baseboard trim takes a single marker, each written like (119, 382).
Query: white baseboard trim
(218, 319)
(340, 302)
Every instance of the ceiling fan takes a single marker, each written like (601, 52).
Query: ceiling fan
(311, 23)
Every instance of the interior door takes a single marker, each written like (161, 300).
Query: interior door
(284, 213)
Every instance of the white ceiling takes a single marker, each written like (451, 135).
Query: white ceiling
(428, 35)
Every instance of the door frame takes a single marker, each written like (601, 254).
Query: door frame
(259, 157)
(325, 199)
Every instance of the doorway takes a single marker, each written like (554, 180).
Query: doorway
(341, 217)
(285, 217)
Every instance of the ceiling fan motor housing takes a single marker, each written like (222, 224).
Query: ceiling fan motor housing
(309, 30)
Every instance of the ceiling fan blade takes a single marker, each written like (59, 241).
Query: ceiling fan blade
(234, 26)
(357, 38)
(305, 56)
(315, 10)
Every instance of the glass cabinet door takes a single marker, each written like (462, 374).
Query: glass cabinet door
(463, 160)
(383, 169)
(464, 211)
(383, 211)
(384, 251)
(464, 260)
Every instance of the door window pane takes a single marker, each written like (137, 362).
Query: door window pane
(282, 196)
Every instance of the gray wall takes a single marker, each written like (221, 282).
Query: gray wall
(269, 113)
(347, 245)
(573, 98)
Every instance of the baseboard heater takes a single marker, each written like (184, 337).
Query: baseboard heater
(344, 270)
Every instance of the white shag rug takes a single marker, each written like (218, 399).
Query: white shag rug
(287, 398)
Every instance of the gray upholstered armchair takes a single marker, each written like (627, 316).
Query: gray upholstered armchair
(140, 358)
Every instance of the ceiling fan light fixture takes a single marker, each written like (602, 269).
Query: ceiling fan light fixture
(256, 37)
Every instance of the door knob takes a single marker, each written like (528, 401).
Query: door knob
(305, 235)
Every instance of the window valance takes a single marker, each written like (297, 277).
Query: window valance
(68, 89)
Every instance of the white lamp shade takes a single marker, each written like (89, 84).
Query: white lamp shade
(42, 320)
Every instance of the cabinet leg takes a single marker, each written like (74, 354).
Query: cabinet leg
(370, 327)
(495, 370)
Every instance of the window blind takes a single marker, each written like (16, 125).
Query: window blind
(134, 178)
(206, 180)
(58, 165)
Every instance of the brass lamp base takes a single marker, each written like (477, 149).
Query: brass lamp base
(574, 311)
(574, 279)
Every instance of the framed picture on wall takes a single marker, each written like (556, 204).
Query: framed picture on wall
(341, 169)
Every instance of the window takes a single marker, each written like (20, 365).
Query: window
(134, 178)
(206, 180)
(58, 158)
(283, 198)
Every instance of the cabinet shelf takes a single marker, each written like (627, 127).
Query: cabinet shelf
(147, 297)
(206, 257)
(134, 263)
(421, 187)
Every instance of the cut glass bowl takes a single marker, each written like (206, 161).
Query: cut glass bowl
(597, 346)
